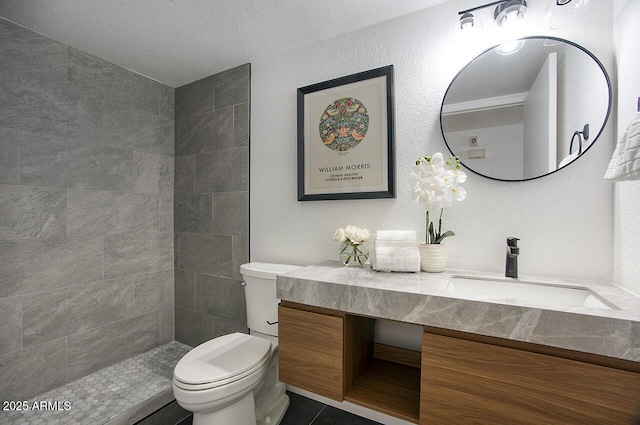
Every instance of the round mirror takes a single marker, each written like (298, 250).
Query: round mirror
(525, 109)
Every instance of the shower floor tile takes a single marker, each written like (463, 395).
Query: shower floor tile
(102, 396)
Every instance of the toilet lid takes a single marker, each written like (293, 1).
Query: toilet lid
(222, 358)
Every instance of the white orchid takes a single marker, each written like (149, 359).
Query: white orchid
(435, 185)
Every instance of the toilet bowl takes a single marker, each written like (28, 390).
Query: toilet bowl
(233, 379)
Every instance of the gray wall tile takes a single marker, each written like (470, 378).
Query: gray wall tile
(207, 132)
(152, 173)
(89, 73)
(32, 371)
(31, 212)
(224, 171)
(221, 297)
(9, 156)
(153, 291)
(127, 255)
(241, 125)
(136, 129)
(240, 255)
(52, 161)
(209, 167)
(166, 210)
(176, 248)
(11, 328)
(73, 121)
(207, 254)
(231, 213)
(232, 87)
(116, 84)
(185, 174)
(193, 327)
(93, 212)
(194, 98)
(222, 326)
(167, 325)
(167, 102)
(31, 105)
(53, 314)
(100, 347)
(35, 265)
(185, 287)
(25, 52)
(193, 213)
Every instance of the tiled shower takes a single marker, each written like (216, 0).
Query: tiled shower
(211, 205)
(89, 178)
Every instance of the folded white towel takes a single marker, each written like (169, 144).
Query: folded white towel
(396, 259)
(625, 162)
(396, 235)
(396, 244)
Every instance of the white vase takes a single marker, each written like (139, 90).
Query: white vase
(433, 257)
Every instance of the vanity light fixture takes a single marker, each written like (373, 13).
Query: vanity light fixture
(467, 21)
(510, 11)
(505, 13)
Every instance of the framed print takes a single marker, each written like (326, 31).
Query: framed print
(346, 137)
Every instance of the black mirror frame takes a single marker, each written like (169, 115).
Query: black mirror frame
(604, 123)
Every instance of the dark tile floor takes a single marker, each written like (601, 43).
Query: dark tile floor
(304, 411)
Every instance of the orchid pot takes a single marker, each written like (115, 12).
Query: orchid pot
(437, 184)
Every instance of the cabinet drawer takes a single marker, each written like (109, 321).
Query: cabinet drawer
(311, 347)
(472, 382)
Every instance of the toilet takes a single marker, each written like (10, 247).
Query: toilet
(233, 379)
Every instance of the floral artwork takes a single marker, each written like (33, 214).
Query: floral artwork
(344, 124)
(346, 137)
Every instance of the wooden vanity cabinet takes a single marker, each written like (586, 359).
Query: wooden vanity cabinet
(480, 380)
(333, 354)
(310, 350)
(459, 378)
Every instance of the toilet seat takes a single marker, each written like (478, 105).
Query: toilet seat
(221, 361)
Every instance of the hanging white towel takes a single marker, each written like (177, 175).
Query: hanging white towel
(625, 162)
(568, 159)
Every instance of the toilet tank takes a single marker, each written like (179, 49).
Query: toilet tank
(260, 294)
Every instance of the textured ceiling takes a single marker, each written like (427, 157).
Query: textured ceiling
(180, 41)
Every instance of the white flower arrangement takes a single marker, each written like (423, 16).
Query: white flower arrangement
(353, 234)
(437, 186)
(353, 251)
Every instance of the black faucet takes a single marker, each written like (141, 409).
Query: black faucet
(511, 269)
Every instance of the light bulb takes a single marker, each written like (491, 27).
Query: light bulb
(510, 47)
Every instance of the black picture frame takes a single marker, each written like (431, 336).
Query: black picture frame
(356, 166)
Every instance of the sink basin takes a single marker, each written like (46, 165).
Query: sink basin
(525, 293)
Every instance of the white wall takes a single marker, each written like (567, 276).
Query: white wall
(540, 117)
(503, 145)
(627, 194)
(564, 220)
(575, 105)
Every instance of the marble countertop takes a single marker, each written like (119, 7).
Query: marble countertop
(421, 298)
